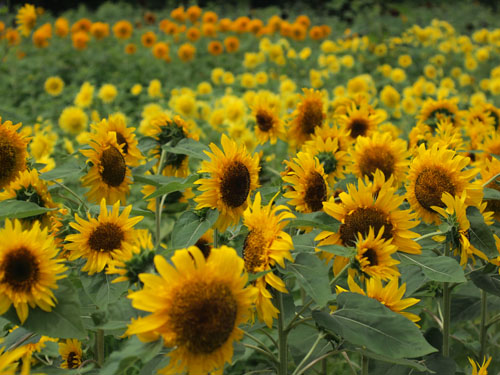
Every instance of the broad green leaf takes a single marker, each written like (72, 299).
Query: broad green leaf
(312, 275)
(101, 290)
(443, 269)
(95, 209)
(491, 194)
(174, 184)
(437, 364)
(366, 322)
(189, 147)
(142, 169)
(154, 180)
(487, 282)
(397, 361)
(64, 321)
(481, 236)
(67, 169)
(318, 220)
(14, 209)
(304, 243)
(301, 339)
(190, 227)
(343, 251)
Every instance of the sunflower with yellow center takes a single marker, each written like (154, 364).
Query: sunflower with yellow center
(13, 152)
(307, 117)
(329, 155)
(478, 369)
(29, 188)
(374, 255)
(125, 137)
(265, 245)
(109, 237)
(268, 126)
(434, 110)
(307, 179)
(26, 19)
(363, 208)
(359, 120)
(29, 269)
(381, 152)
(196, 306)
(9, 360)
(234, 174)
(71, 353)
(109, 177)
(455, 215)
(390, 295)
(435, 171)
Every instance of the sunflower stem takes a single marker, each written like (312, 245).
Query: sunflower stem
(321, 359)
(339, 275)
(99, 344)
(482, 332)
(82, 202)
(282, 335)
(364, 365)
(308, 355)
(428, 235)
(260, 350)
(262, 345)
(216, 238)
(446, 310)
(487, 183)
(158, 204)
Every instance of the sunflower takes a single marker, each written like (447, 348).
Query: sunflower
(205, 243)
(380, 151)
(309, 188)
(435, 171)
(268, 126)
(490, 145)
(489, 169)
(29, 269)
(374, 255)
(234, 174)
(478, 369)
(334, 132)
(363, 208)
(359, 120)
(456, 217)
(389, 295)
(29, 188)
(26, 19)
(197, 305)
(265, 245)
(54, 86)
(109, 237)
(125, 137)
(71, 353)
(492, 111)
(308, 116)
(109, 176)
(13, 152)
(9, 360)
(434, 110)
(329, 155)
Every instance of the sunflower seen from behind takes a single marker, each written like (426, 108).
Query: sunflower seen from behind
(196, 306)
(29, 269)
(265, 245)
(109, 176)
(71, 353)
(232, 175)
(110, 236)
(13, 152)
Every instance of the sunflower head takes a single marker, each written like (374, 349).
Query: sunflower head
(268, 125)
(308, 116)
(26, 19)
(434, 110)
(71, 353)
(359, 120)
(13, 145)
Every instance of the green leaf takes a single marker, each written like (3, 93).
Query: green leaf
(318, 220)
(486, 282)
(190, 227)
(190, 147)
(68, 169)
(481, 236)
(365, 322)
(340, 250)
(101, 290)
(396, 361)
(438, 268)
(64, 321)
(14, 209)
(304, 243)
(491, 194)
(174, 184)
(312, 275)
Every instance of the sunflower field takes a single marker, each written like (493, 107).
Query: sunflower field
(227, 190)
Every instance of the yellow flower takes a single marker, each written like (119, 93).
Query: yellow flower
(13, 152)
(390, 96)
(308, 116)
(107, 93)
(29, 268)
(26, 19)
(9, 360)
(359, 121)
(196, 306)
(268, 125)
(84, 97)
(136, 89)
(73, 120)
(54, 86)
(478, 369)
(154, 89)
(71, 353)
(109, 237)
(233, 176)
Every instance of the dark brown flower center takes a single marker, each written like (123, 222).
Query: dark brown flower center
(113, 166)
(120, 139)
(430, 185)
(7, 160)
(253, 247)
(73, 360)
(378, 157)
(264, 121)
(235, 184)
(203, 316)
(312, 116)
(21, 269)
(106, 237)
(360, 221)
(371, 255)
(204, 247)
(315, 192)
(358, 127)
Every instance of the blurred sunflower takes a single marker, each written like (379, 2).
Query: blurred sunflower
(478, 369)
(29, 269)
(307, 117)
(268, 126)
(9, 360)
(359, 120)
(434, 110)
(309, 188)
(13, 152)
(71, 353)
(54, 86)
(73, 120)
(265, 245)
(109, 237)
(435, 171)
(109, 176)
(26, 19)
(234, 174)
(201, 304)
(489, 169)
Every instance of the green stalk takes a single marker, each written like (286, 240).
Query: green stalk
(282, 337)
(216, 238)
(482, 332)
(158, 205)
(364, 365)
(446, 311)
(309, 353)
(99, 344)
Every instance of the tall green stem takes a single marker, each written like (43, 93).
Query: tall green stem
(216, 238)
(482, 332)
(99, 344)
(364, 365)
(308, 355)
(158, 202)
(282, 337)
(446, 311)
